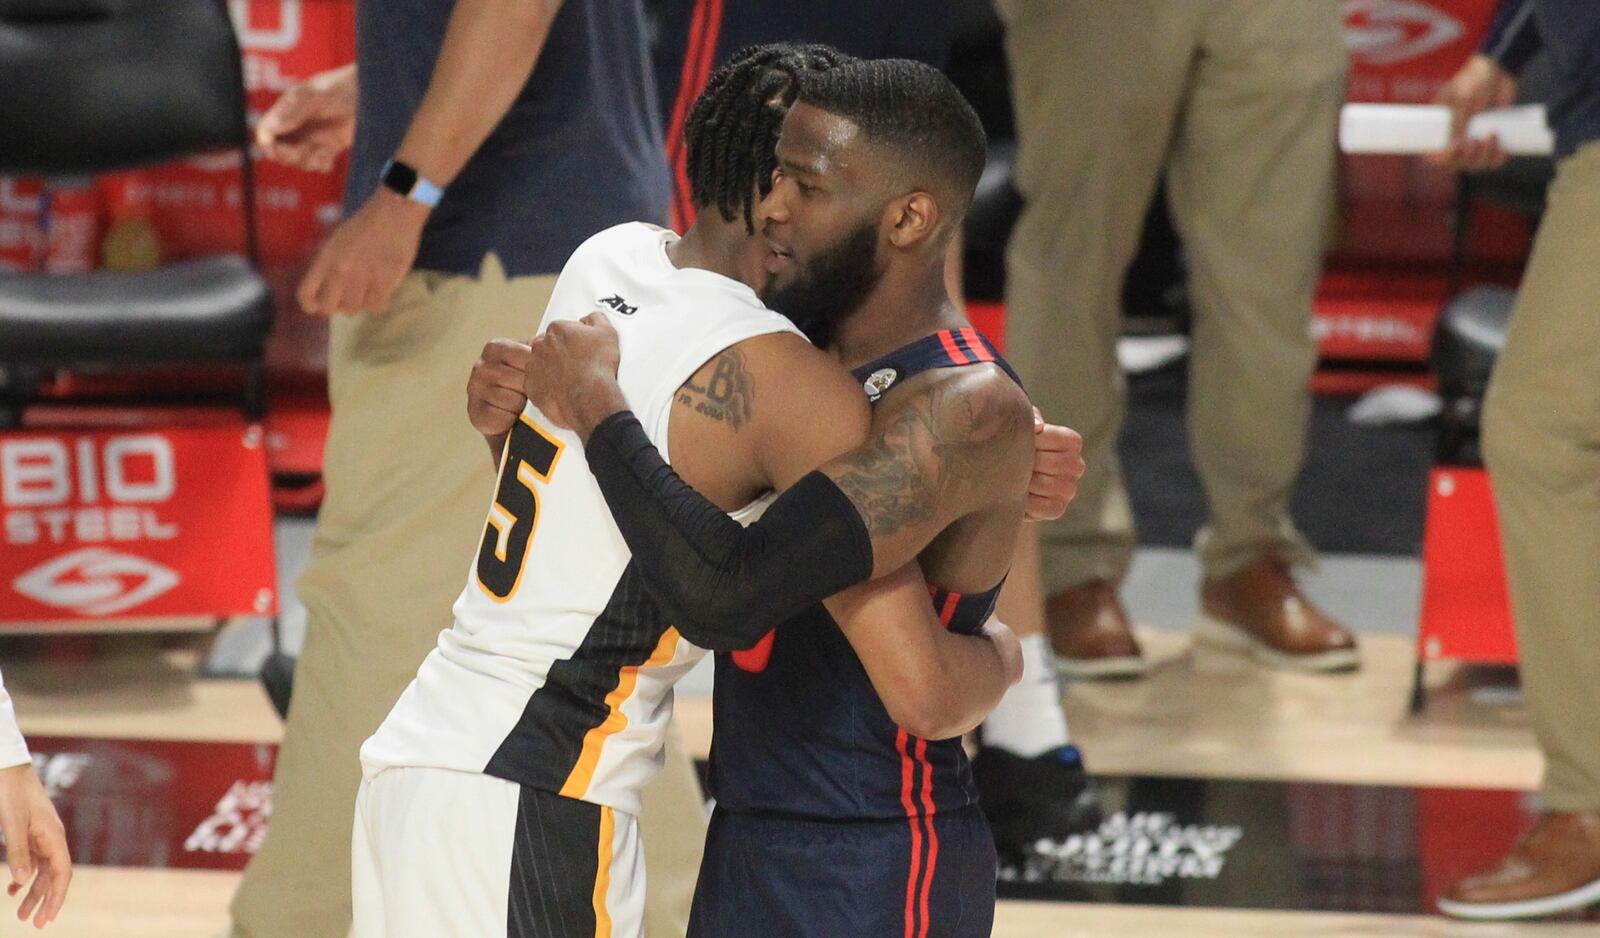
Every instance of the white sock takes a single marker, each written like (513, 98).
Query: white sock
(1029, 720)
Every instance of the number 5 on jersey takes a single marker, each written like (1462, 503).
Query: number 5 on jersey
(531, 455)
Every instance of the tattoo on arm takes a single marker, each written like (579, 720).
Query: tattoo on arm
(939, 445)
(728, 395)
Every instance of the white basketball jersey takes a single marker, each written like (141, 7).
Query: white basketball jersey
(558, 670)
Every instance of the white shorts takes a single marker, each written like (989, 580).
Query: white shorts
(440, 853)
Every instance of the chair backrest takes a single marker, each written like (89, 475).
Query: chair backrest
(99, 85)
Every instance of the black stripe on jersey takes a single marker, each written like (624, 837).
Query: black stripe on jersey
(555, 862)
(544, 746)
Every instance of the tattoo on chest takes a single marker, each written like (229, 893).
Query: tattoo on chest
(727, 395)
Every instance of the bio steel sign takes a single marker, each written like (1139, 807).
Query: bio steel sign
(138, 524)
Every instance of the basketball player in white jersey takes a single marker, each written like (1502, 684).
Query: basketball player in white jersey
(499, 795)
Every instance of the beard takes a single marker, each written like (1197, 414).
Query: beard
(829, 289)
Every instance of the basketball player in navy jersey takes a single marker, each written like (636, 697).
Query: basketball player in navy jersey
(831, 818)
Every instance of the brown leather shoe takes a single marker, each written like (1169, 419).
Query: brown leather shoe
(1261, 612)
(1555, 867)
(1091, 634)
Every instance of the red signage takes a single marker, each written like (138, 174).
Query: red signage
(1461, 832)
(138, 523)
(1402, 51)
(1466, 610)
(144, 803)
(1377, 317)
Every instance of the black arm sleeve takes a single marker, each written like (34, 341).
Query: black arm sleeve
(724, 585)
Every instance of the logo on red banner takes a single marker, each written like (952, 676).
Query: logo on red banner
(1404, 50)
(168, 523)
(238, 824)
(144, 803)
(96, 581)
(1383, 32)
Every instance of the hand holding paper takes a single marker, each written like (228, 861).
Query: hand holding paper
(1425, 128)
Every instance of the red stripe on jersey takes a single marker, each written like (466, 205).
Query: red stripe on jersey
(906, 772)
(950, 348)
(948, 610)
(974, 343)
(933, 836)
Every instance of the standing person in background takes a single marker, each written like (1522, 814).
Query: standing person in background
(1541, 441)
(1236, 102)
(490, 138)
(1033, 779)
(35, 841)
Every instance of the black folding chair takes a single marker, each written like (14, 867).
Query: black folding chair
(92, 86)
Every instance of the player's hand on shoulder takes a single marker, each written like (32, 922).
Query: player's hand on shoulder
(494, 391)
(1058, 466)
(571, 374)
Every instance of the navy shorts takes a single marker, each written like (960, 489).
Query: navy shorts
(781, 877)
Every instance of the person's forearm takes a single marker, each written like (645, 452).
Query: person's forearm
(934, 683)
(968, 682)
(490, 48)
(725, 586)
(972, 682)
(939, 690)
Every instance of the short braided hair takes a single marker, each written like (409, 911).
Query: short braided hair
(733, 129)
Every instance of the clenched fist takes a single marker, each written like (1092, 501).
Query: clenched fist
(572, 373)
(1057, 466)
(494, 390)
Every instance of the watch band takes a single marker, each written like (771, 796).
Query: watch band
(405, 180)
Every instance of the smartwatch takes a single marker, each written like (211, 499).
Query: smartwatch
(406, 181)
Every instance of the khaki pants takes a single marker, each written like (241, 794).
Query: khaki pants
(1541, 439)
(408, 482)
(1236, 101)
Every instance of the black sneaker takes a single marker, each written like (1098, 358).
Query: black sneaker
(1047, 796)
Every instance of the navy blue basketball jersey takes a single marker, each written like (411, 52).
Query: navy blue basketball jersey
(800, 731)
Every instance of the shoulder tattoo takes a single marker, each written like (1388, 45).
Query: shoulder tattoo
(726, 395)
(939, 445)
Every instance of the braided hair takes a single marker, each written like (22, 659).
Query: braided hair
(733, 129)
